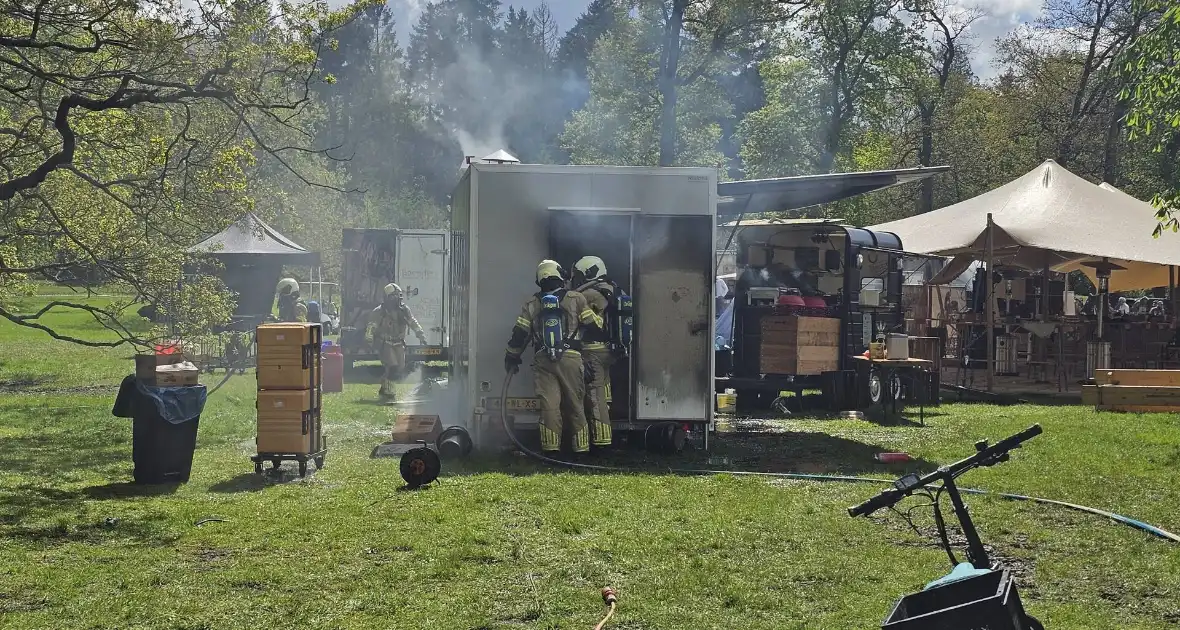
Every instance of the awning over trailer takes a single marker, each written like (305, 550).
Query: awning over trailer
(783, 194)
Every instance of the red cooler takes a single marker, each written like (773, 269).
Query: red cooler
(333, 361)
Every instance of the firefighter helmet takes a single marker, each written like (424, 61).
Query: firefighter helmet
(287, 286)
(591, 267)
(393, 289)
(549, 269)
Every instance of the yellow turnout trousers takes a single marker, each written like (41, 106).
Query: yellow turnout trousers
(598, 362)
(561, 386)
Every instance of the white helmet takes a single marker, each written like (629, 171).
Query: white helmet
(287, 285)
(591, 267)
(393, 289)
(548, 269)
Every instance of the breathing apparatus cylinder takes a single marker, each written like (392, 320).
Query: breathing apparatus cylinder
(623, 323)
(551, 333)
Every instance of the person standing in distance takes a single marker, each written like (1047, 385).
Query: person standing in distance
(555, 319)
(388, 326)
(292, 308)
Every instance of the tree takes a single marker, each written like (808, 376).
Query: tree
(940, 60)
(1152, 69)
(852, 43)
(622, 121)
(693, 36)
(1068, 82)
(779, 139)
(128, 129)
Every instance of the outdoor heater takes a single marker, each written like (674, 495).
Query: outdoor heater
(1098, 352)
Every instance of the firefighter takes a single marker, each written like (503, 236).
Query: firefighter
(292, 308)
(387, 332)
(598, 349)
(555, 320)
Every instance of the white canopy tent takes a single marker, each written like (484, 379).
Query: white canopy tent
(1051, 218)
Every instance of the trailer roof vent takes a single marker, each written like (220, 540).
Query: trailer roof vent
(501, 157)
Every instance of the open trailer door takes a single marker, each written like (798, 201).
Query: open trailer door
(673, 318)
(422, 273)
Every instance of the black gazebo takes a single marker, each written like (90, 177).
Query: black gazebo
(253, 255)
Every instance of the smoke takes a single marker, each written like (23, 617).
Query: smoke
(489, 142)
(490, 97)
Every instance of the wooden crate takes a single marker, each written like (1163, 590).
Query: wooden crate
(1138, 391)
(792, 344)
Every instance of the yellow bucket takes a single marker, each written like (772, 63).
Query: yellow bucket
(726, 403)
(877, 350)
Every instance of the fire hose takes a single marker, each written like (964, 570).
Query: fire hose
(1118, 518)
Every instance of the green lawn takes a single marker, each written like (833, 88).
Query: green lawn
(505, 544)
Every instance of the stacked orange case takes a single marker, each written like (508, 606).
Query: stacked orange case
(290, 373)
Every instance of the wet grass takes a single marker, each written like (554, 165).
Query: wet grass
(502, 543)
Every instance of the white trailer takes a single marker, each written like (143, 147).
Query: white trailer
(654, 228)
(417, 260)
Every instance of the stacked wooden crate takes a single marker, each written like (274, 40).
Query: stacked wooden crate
(290, 375)
(793, 344)
(1141, 391)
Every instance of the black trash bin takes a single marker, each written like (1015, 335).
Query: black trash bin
(164, 423)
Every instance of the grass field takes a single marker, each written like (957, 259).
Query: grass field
(505, 544)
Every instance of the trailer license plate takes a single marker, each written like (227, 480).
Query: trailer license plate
(517, 404)
(428, 351)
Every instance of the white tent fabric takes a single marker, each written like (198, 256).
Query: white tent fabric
(1137, 275)
(1048, 216)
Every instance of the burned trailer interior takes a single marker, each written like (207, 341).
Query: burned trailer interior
(655, 230)
(812, 294)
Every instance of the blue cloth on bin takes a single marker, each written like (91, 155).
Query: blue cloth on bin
(172, 404)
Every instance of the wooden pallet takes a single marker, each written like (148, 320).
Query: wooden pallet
(1137, 391)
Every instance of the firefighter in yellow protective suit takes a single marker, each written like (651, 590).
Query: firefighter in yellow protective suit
(557, 366)
(387, 332)
(591, 281)
(292, 308)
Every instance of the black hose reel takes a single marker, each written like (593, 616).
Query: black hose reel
(421, 465)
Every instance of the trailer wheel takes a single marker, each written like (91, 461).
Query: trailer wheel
(877, 387)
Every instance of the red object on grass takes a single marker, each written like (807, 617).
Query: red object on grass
(892, 458)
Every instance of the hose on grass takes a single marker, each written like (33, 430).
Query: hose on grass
(611, 600)
(1118, 518)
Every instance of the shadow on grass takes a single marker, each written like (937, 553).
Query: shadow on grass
(255, 482)
(245, 482)
(762, 452)
(61, 453)
(151, 531)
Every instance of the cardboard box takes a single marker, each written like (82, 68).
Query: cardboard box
(146, 364)
(176, 375)
(165, 370)
(408, 429)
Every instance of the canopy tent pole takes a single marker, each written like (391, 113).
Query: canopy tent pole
(991, 305)
(1172, 290)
